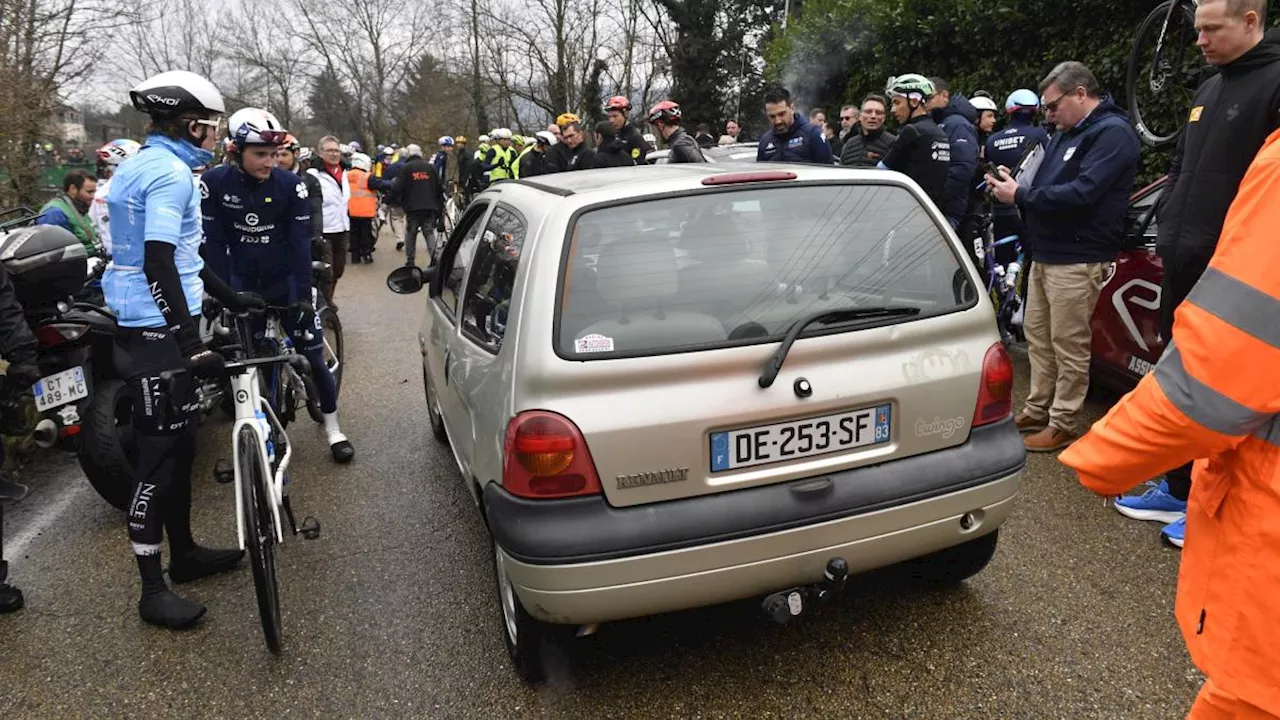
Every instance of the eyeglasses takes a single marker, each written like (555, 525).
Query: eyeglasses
(847, 117)
(1052, 106)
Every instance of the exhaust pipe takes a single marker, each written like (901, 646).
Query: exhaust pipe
(46, 433)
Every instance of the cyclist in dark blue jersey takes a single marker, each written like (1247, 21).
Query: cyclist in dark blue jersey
(155, 284)
(257, 226)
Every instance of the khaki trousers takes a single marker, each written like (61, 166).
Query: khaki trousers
(1060, 302)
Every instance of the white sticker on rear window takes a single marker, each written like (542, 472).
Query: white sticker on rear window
(592, 343)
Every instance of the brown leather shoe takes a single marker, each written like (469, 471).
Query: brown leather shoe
(1027, 424)
(1048, 440)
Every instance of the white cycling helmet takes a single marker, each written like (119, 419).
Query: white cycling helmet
(360, 161)
(483, 139)
(501, 134)
(445, 141)
(173, 93)
(304, 154)
(117, 151)
(981, 103)
(545, 137)
(255, 126)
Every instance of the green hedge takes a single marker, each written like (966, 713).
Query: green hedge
(836, 51)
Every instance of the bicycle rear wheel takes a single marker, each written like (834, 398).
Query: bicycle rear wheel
(260, 533)
(1160, 86)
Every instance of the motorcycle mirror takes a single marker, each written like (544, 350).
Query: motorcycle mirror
(408, 279)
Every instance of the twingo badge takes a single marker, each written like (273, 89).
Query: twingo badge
(1195, 113)
(658, 477)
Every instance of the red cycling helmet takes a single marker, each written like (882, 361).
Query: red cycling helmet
(617, 102)
(665, 112)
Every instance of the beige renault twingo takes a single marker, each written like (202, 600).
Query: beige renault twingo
(679, 385)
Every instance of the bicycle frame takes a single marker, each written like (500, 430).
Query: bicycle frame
(248, 399)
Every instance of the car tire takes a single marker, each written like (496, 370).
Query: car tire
(525, 637)
(433, 408)
(954, 564)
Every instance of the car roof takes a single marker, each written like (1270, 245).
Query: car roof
(647, 179)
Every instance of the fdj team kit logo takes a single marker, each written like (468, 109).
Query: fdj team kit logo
(251, 218)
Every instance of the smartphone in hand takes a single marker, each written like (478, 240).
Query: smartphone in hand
(995, 172)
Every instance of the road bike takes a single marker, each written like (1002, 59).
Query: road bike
(261, 452)
(1165, 63)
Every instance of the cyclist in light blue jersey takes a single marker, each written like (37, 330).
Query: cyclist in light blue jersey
(155, 284)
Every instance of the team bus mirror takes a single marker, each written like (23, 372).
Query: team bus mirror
(409, 279)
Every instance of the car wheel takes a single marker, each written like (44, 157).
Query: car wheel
(525, 636)
(954, 564)
(433, 408)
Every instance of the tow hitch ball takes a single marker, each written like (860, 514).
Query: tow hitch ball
(786, 605)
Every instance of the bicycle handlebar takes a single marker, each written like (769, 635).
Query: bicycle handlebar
(239, 367)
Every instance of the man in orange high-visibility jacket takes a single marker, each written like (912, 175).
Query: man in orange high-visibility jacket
(1215, 394)
(361, 208)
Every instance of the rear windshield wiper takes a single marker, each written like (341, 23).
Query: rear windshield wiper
(828, 317)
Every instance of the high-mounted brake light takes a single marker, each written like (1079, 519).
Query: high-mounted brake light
(545, 456)
(748, 177)
(995, 389)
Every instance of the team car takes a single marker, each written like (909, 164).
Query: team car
(675, 386)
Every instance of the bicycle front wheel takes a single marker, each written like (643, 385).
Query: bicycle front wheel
(260, 533)
(1162, 76)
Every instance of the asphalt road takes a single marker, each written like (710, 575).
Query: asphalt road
(393, 611)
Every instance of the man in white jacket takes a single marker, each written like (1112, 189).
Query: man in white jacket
(337, 225)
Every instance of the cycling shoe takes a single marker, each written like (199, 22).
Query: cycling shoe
(201, 563)
(342, 451)
(10, 599)
(167, 610)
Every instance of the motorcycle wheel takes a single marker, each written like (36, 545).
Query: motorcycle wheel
(107, 451)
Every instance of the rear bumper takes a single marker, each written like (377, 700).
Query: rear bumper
(580, 561)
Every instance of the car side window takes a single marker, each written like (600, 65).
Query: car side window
(457, 257)
(487, 302)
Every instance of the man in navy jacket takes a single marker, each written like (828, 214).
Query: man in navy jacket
(1075, 213)
(792, 138)
(956, 116)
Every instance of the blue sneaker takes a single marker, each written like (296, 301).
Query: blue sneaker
(1174, 532)
(1155, 504)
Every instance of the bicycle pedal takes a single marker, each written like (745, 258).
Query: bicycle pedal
(310, 529)
(223, 472)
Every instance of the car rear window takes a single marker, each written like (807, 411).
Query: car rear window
(709, 269)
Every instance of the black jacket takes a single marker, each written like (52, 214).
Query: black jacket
(1076, 208)
(858, 147)
(418, 187)
(921, 152)
(17, 342)
(1232, 114)
(684, 149)
(614, 153)
(634, 143)
(581, 158)
(315, 201)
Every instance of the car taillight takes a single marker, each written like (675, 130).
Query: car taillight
(995, 389)
(55, 334)
(545, 456)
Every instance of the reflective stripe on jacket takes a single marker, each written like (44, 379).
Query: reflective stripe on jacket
(363, 202)
(1215, 396)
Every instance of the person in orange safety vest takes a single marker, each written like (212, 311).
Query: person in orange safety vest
(1215, 397)
(362, 207)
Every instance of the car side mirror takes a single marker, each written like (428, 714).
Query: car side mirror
(409, 279)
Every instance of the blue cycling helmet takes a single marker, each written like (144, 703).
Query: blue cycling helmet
(1022, 100)
(445, 141)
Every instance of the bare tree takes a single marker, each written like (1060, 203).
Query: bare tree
(280, 58)
(370, 45)
(46, 46)
(547, 52)
(174, 35)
